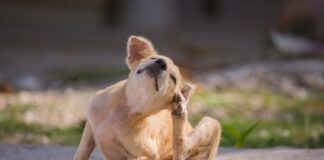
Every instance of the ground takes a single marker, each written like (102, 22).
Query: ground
(55, 152)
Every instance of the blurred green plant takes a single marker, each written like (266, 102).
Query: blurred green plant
(286, 121)
(235, 136)
(12, 127)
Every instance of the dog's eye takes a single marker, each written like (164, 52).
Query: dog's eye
(173, 78)
(152, 58)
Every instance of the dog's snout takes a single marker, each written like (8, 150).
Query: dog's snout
(161, 63)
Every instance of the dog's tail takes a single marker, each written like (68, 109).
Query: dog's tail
(86, 145)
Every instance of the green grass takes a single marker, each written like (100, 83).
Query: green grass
(236, 137)
(14, 128)
(259, 118)
(286, 121)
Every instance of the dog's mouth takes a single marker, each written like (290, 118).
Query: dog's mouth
(153, 73)
(154, 70)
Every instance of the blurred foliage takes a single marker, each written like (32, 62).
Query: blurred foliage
(14, 129)
(286, 121)
(236, 137)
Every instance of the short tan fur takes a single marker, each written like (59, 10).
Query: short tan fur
(145, 116)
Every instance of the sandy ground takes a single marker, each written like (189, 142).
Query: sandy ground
(41, 152)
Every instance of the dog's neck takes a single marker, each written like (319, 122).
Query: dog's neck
(139, 107)
(141, 102)
(134, 122)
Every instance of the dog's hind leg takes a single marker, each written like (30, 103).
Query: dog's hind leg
(202, 143)
(86, 145)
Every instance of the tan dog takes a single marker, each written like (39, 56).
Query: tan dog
(145, 116)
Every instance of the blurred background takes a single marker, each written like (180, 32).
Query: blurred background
(258, 64)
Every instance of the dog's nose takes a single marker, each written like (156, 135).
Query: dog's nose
(161, 63)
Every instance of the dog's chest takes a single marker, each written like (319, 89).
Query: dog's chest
(152, 138)
(140, 144)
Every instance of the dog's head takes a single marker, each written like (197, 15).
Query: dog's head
(153, 78)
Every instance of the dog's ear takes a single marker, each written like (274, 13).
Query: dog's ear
(187, 89)
(137, 49)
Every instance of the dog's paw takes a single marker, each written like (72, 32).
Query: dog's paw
(179, 106)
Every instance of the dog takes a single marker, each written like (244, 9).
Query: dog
(145, 116)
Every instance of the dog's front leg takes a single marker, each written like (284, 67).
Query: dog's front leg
(179, 118)
(87, 144)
